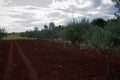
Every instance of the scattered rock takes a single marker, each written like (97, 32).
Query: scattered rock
(14, 65)
(60, 66)
(0, 73)
(95, 78)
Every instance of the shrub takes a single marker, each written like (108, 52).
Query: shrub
(97, 37)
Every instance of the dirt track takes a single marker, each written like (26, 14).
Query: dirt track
(42, 60)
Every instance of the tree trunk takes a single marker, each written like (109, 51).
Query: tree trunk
(108, 65)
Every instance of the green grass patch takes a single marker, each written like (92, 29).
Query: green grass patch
(14, 37)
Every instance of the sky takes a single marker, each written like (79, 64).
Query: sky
(22, 15)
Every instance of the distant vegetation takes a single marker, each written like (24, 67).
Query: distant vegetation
(2, 33)
(96, 34)
(99, 33)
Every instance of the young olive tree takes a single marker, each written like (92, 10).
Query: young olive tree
(75, 30)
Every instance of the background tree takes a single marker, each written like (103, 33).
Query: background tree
(51, 25)
(99, 22)
(74, 31)
(45, 27)
(35, 33)
(35, 28)
(2, 33)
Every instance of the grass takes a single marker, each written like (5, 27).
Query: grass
(14, 37)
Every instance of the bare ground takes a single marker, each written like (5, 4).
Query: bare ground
(43, 60)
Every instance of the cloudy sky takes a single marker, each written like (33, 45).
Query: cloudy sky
(22, 15)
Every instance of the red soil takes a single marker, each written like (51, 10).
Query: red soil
(43, 60)
(8, 71)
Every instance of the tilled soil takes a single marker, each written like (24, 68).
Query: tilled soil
(43, 60)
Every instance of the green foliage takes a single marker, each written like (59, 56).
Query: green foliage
(75, 30)
(114, 27)
(2, 33)
(48, 34)
(28, 34)
(99, 22)
(31, 34)
(97, 37)
(107, 37)
(55, 33)
(97, 34)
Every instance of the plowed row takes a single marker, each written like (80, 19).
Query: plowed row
(43, 60)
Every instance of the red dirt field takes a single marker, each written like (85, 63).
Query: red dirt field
(43, 60)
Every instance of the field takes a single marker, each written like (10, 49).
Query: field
(43, 60)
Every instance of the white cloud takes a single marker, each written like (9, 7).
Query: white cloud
(20, 15)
